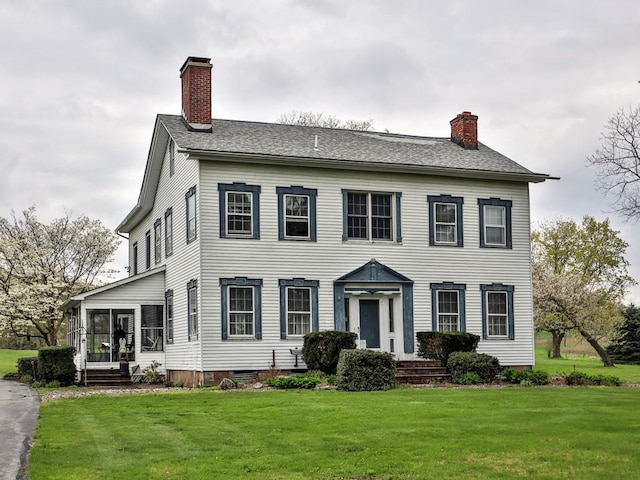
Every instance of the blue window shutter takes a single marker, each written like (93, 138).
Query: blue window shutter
(223, 209)
(283, 310)
(462, 313)
(256, 213)
(344, 214)
(339, 319)
(407, 317)
(434, 308)
(398, 218)
(315, 322)
(257, 299)
(510, 315)
(280, 191)
(312, 216)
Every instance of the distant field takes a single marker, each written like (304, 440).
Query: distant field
(9, 359)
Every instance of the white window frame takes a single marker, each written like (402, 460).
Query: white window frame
(441, 315)
(192, 306)
(157, 241)
(502, 226)
(233, 326)
(229, 214)
(292, 322)
(449, 225)
(493, 316)
(292, 218)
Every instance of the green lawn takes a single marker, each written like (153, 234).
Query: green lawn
(456, 433)
(9, 359)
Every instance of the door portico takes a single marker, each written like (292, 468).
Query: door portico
(376, 303)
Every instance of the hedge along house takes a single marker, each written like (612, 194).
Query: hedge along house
(248, 235)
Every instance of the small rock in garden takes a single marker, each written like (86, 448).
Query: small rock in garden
(257, 385)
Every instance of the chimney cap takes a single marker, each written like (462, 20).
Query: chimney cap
(195, 60)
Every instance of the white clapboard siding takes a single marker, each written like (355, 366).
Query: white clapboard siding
(329, 258)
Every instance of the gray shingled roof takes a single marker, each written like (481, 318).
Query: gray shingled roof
(374, 148)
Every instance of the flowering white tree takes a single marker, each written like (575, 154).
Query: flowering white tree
(42, 266)
(579, 280)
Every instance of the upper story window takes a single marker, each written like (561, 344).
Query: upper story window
(157, 240)
(495, 222)
(448, 307)
(497, 311)
(298, 307)
(147, 249)
(192, 310)
(239, 210)
(371, 216)
(445, 220)
(168, 232)
(241, 308)
(296, 213)
(190, 198)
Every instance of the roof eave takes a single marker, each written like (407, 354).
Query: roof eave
(341, 164)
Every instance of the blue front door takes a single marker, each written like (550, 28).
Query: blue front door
(370, 322)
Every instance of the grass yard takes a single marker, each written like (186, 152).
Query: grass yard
(9, 359)
(456, 433)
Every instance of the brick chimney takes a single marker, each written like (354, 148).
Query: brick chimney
(464, 130)
(196, 93)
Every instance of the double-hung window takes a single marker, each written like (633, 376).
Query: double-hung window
(497, 311)
(192, 310)
(239, 210)
(445, 220)
(192, 226)
(168, 312)
(371, 216)
(495, 222)
(448, 307)
(298, 307)
(157, 240)
(168, 232)
(241, 308)
(296, 213)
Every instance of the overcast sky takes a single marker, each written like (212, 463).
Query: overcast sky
(82, 81)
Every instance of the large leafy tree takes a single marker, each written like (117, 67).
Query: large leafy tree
(579, 280)
(618, 161)
(43, 265)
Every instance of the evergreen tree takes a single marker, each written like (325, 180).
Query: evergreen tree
(626, 347)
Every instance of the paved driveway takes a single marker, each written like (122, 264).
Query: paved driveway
(19, 406)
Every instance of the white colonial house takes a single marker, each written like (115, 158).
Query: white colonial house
(248, 235)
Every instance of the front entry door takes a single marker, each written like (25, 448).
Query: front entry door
(370, 322)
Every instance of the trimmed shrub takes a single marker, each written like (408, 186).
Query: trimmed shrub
(530, 377)
(460, 363)
(321, 350)
(365, 370)
(469, 378)
(56, 363)
(28, 366)
(581, 378)
(439, 345)
(295, 381)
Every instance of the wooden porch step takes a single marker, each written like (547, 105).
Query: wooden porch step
(106, 378)
(417, 372)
